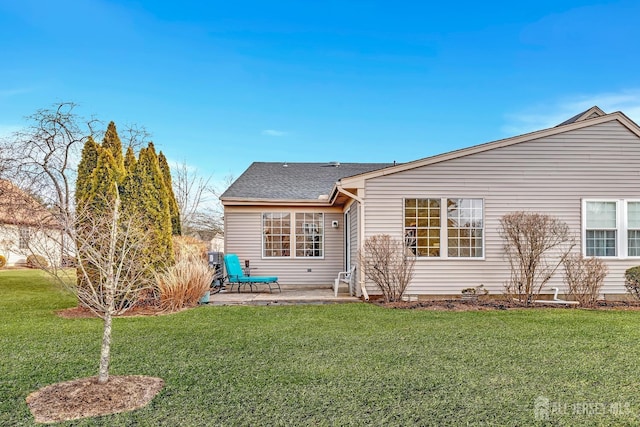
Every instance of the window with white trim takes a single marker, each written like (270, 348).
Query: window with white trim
(633, 229)
(309, 234)
(460, 236)
(611, 228)
(464, 228)
(305, 233)
(276, 234)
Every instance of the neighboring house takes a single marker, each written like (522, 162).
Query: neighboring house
(25, 227)
(305, 222)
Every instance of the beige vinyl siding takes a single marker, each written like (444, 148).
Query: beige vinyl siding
(354, 242)
(243, 236)
(549, 175)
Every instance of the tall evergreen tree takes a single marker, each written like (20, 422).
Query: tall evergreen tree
(149, 201)
(111, 142)
(129, 160)
(88, 163)
(174, 211)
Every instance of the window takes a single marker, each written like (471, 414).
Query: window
(307, 230)
(309, 234)
(464, 227)
(25, 236)
(276, 234)
(611, 228)
(422, 226)
(633, 228)
(460, 236)
(601, 228)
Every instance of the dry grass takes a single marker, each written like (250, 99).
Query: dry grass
(183, 284)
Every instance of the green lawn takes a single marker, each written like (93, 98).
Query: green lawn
(347, 364)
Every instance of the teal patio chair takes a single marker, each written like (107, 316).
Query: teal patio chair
(236, 276)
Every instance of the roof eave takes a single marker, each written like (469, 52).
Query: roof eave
(238, 201)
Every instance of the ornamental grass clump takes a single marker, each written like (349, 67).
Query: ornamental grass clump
(184, 283)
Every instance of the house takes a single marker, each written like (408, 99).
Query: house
(305, 222)
(26, 227)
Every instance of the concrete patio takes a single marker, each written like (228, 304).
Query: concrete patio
(290, 295)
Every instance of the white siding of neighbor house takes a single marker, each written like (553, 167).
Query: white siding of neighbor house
(549, 175)
(39, 244)
(243, 236)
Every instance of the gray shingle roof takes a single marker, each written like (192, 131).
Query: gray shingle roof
(295, 181)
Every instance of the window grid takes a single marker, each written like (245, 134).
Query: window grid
(633, 229)
(276, 234)
(24, 237)
(422, 226)
(464, 228)
(309, 234)
(601, 236)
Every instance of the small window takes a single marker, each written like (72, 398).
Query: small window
(25, 237)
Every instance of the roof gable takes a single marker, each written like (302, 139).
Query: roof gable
(583, 120)
(591, 113)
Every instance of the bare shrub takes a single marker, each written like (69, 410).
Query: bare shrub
(632, 281)
(584, 278)
(535, 245)
(385, 264)
(183, 284)
(37, 261)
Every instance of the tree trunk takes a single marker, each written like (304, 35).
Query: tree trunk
(105, 350)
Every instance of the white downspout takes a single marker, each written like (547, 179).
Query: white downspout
(361, 230)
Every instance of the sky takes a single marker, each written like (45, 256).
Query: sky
(221, 84)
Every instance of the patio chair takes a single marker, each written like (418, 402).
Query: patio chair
(345, 277)
(236, 276)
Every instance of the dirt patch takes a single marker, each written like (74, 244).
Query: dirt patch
(84, 397)
(498, 304)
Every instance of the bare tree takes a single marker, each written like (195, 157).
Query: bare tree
(584, 278)
(197, 197)
(535, 245)
(107, 248)
(386, 264)
(41, 158)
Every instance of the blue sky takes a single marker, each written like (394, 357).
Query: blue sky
(223, 83)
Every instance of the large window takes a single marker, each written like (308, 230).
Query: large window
(309, 233)
(422, 226)
(464, 227)
(276, 234)
(305, 233)
(460, 236)
(611, 228)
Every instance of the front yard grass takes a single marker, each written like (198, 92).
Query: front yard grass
(344, 364)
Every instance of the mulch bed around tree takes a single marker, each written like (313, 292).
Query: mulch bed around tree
(84, 397)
